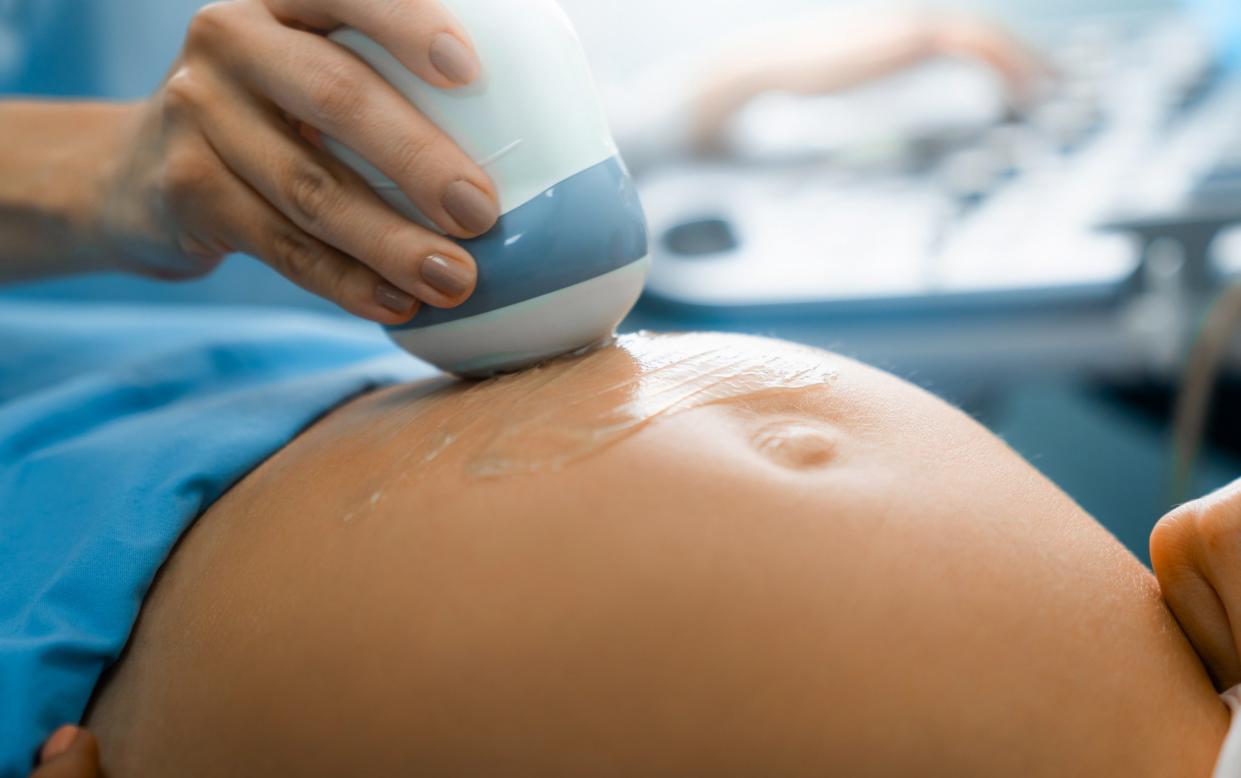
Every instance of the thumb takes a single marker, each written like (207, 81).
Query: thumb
(71, 752)
(1196, 554)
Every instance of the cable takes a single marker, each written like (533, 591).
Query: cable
(1193, 404)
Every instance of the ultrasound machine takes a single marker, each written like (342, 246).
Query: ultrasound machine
(927, 224)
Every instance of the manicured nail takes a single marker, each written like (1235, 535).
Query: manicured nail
(454, 60)
(394, 299)
(470, 207)
(451, 279)
(60, 742)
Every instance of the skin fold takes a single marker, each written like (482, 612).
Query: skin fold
(769, 576)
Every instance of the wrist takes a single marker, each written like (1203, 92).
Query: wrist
(56, 160)
(99, 206)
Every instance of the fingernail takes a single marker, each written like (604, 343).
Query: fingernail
(470, 207)
(452, 279)
(454, 60)
(59, 742)
(394, 299)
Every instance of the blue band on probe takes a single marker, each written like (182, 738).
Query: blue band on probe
(586, 226)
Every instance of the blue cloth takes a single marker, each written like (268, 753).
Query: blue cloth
(118, 427)
(90, 48)
(1222, 19)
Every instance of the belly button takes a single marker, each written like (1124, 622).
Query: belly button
(796, 444)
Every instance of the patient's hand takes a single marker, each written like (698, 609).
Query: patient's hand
(225, 157)
(1196, 552)
(69, 753)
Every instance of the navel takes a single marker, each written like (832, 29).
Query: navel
(796, 444)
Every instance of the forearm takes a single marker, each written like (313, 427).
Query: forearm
(54, 164)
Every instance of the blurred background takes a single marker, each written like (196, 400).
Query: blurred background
(1029, 207)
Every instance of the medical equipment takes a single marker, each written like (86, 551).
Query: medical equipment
(917, 213)
(568, 258)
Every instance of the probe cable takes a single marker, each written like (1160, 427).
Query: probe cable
(1193, 404)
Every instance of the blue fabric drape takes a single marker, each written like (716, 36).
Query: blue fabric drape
(118, 427)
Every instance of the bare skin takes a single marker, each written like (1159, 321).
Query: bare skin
(227, 157)
(784, 577)
(1197, 557)
(71, 752)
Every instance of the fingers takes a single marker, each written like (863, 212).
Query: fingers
(1195, 604)
(70, 752)
(221, 211)
(256, 228)
(1196, 554)
(420, 33)
(323, 85)
(332, 90)
(333, 205)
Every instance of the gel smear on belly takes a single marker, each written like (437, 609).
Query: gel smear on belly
(568, 258)
(564, 411)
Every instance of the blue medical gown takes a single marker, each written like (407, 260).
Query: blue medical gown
(118, 427)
